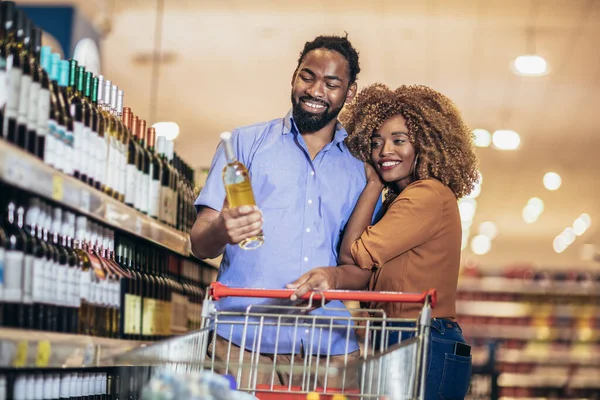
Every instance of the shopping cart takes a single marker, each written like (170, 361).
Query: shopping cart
(380, 372)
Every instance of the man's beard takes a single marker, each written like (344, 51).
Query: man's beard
(308, 122)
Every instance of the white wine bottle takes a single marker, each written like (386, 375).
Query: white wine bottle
(238, 188)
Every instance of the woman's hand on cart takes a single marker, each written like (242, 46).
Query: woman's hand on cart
(315, 280)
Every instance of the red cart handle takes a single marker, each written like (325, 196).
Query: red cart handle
(218, 291)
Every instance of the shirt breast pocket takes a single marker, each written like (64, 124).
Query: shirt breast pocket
(275, 184)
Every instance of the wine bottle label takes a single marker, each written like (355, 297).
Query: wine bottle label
(110, 165)
(56, 387)
(84, 284)
(13, 275)
(24, 99)
(29, 387)
(73, 385)
(38, 390)
(62, 285)
(3, 88)
(148, 317)
(47, 389)
(165, 203)
(95, 156)
(239, 194)
(43, 112)
(38, 276)
(86, 151)
(129, 321)
(77, 141)
(146, 193)
(75, 290)
(72, 160)
(102, 149)
(117, 294)
(139, 183)
(12, 102)
(65, 386)
(130, 191)
(154, 197)
(32, 109)
(51, 144)
(79, 386)
(50, 282)
(174, 202)
(20, 388)
(28, 279)
(2, 264)
(122, 175)
(179, 313)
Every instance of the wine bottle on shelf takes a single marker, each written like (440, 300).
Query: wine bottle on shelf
(32, 59)
(33, 220)
(133, 169)
(34, 259)
(69, 162)
(7, 9)
(148, 295)
(77, 110)
(88, 158)
(138, 293)
(100, 148)
(109, 136)
(174, 183)
(51, 271)
(3, 244)
(144, 185)
(14, 72)
(23, 41)
(85, 276)
(164, 214)
(238, 188)
(42, 112)
(155, 176)
(14, 261)
(116, 103)
(61, 261)
(73, 295)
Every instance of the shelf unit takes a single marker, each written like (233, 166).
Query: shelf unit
(37, 349)
(22, 170)
(544, 334)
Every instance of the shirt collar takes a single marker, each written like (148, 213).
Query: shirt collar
(289, 126)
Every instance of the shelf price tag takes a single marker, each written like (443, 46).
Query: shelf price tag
(57, 188)
(138, 225)
(21, 353)
(42, 357)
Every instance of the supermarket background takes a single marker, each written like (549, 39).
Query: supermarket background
(530, 288)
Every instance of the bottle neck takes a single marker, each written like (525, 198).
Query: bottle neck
(229, 153)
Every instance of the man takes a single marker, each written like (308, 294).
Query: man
(306, 183)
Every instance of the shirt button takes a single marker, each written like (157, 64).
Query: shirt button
(305, 259)
(312, 173)
(309, 201)
(307, 230)
(307, 331)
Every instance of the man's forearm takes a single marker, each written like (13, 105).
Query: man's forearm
(206, 240)
(351, 277)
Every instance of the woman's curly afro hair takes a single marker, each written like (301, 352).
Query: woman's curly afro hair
(441, 139)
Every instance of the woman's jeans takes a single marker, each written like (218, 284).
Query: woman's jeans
(448, 374)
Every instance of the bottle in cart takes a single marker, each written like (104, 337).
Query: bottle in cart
(238, 188)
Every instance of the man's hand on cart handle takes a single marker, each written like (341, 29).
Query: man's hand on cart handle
(315, 280)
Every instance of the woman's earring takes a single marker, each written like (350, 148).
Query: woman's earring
(414, 169)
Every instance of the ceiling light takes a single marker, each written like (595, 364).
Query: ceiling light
(476, 188)
(552, 181)
(465, 239)
(505, 139)
(170, 130)
(482, 138)
(569, 235)
(530, 65)
(466, 208)
(559, 244)
(530, 214)
(579, 227)
(489, 229)
(481, 244)
(536, 203)
(587, 219)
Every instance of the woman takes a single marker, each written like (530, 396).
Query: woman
(416, 147)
